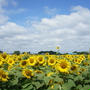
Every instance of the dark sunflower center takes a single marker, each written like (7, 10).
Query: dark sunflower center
(10, 61)
(3, 75)
(19, 58)
(40, 59)
(28, 73)
(24, 63)
(31, 60)
(73, 68)
(82, 69)
(51, 61)
(4, 56)
(63, 65)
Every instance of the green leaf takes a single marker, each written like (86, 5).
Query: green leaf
(86, 87)
(40, 76)
(57, 87)
(70, 76)
(58, 79)
(30, 87)
(65, 86)
(79, 87)
(71, 82)
(84, 74)
(14, 81)
(25, 57)
(46, 80)
(68, 85)
(78, 78)
(37, 84)
(25, 85)
(5, 66)
(87, 81)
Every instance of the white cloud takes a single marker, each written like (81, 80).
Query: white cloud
(71, 32)
(50, 11)
(3, 19)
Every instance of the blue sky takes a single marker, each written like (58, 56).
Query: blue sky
(44, 24)
(36, 8)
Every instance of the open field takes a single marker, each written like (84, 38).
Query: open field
(44, 72)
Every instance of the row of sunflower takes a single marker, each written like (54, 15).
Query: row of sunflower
(44, 72)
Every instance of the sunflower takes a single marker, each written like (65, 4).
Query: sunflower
(50, 74)
(69, 57)
(10, 61)
(82, 56)
(52, 87)
(38, 71)
(86, 63)
(19, 58)
(63, 65)
(41, 60)
(1, 71)
(27, 73)
(4, 55)
(74, 68)
(82, 69)
(23, 63)
(77, 60)
(51, 61)
(57, 47)
(1, 60)
(4, 76)
(10, 67)
(78, 73)
(47, 53)
(88, 57)
(32, 61)
(50, 82)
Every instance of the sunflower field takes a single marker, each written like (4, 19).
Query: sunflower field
(44, 72)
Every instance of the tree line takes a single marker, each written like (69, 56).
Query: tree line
(51, 52)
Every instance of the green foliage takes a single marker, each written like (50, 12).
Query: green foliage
(43, 80)
(50, 52)
(16, 52)
(1, 51)
(25, 57)
(68, 85)
(86, 87)
(78, 78)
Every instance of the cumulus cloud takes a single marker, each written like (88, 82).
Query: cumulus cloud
(70, 32)
(72, 29)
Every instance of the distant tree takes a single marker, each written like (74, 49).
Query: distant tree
(29, 52)
(65, 53)
(26, 52)
(82, 52)
(50, 52)
(75, 52)
(1, 51)
(16, 52)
